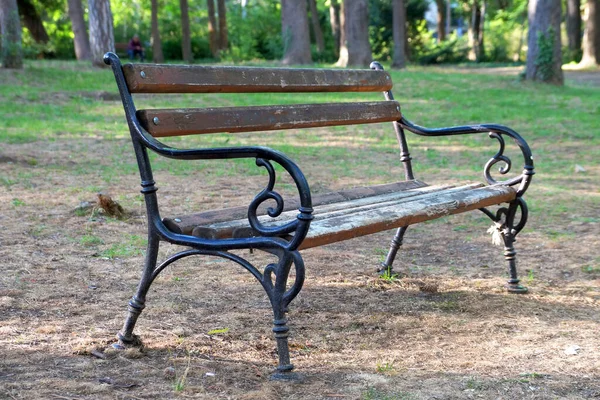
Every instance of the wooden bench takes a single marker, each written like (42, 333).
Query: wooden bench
(308, 221)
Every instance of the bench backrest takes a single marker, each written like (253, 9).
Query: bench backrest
(142, 78)
(159, 79)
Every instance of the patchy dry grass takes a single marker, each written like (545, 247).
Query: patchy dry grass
(67, 276)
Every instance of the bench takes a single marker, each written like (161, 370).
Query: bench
(307, 221)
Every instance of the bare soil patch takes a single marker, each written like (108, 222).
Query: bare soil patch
(206, 328)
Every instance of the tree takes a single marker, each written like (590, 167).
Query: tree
(294, 31)
(316, 25)
(80, 35)
(399, 33)
(32, 21)
(213, 37)
(544, 56)
(355, 48)
(441, 20)
(102, 38)
(157, 53)
(476, 32)
(591, 37)
(574, 28)
(11, 53)
(186, 40)
(334, 21)
(223, 39)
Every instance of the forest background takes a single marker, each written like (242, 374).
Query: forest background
(349, 32)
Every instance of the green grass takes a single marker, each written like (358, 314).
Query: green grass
(58, 102)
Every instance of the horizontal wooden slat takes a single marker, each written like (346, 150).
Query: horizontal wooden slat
(177, 122)
(186, 223)
(347, 219)
(150, 78)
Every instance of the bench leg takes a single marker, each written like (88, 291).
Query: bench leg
(280, 298)
(138, 301)
(386, 266)
(510, 255)
(507, 228)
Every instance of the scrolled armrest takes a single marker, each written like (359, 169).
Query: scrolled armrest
(495, 132)
(264, 157)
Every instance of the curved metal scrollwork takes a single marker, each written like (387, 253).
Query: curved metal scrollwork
(495, 132)
(269, 194)
(497, 158)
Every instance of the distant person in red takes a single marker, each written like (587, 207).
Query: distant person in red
(135, 47)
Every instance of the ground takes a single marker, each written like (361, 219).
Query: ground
(443, 329)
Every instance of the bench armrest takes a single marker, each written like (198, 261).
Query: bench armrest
(496, 132)
(264, 157)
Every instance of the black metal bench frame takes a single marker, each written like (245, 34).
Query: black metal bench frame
(284, 239)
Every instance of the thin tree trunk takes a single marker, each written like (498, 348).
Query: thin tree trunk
(101, 30)
(11, 52)
(223, 37)
(399, 33)
(213, 38)
(80, 34)
(294, 31)
(474, 25)
(157, 53)
(32, 21)
(186, 40)
(591, 37)
(574, 27)
(441, 20)
(544, 56)
(355, 48)
(316, 25)
(480, 48)
(334, 20)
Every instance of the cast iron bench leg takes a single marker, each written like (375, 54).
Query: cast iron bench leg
(509, 234)
(137, 302)
(386, 266)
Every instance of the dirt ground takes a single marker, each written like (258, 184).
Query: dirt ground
(207, 326)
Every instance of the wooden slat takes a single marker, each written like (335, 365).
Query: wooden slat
(365, 215)
(178, 122)
(186, 223)
(149, 78)
(337, 228)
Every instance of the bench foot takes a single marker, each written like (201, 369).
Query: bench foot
(292, 377)
(516, 288)
(386, 267)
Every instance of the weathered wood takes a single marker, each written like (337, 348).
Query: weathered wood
(144, 78)
(186, 223)
(177, 122)
(344, 220)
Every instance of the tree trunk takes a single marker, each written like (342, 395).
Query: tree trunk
(441, 20)
(11, 52)
(574, 27)
(477, 51)
(186, 40)
(355, 48)
(591, 37)
(334, 20)
(544, 56)
(157, 53)
(213, 38)
(294, 31)
(223, 38)
(316, 25)
(101, 30)
(80, 34)
(399, 33)
(32, 21)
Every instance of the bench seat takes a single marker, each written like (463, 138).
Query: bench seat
(352, 213)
